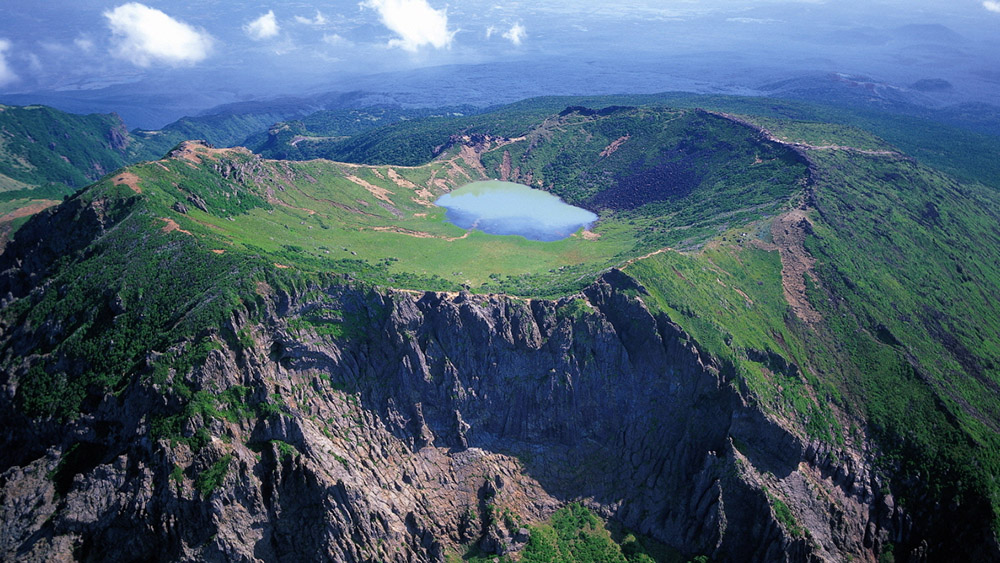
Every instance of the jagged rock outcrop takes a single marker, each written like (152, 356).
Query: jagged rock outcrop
(434, 421)
(118, 135)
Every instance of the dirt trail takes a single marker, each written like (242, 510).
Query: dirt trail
(631, 261)
(790, 229)
(424, 196)
(377, 191)
(193, 151)
(172, 225)
(327, 202)
(277, 201)
(804, 146)
(610, 149)
(417, 234)
(402, 231)
(789, 232)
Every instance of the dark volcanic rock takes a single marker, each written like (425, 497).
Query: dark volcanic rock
(412, 437)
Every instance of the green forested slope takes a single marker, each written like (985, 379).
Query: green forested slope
(905, 280)
(43, 147)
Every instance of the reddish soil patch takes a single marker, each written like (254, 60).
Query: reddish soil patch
(800, 146)
(193, 151)
(128, 179)
(28, 210)
(789, 232)
(471, 157)
(505, 167)
(377, 191)
(408, 232)
(172, 225)
(610, 149)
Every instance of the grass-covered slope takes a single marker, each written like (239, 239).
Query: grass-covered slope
(379, 224)
(900, 268)
(46, 154)
(916, 311)
(575, 534)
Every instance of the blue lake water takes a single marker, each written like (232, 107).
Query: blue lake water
(506, 208)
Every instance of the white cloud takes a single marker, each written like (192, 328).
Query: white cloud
(516, 33)
(84, 44)
(6, 73)
(264, 27)
(34, 62)
(144, 35)
(753, 20)
(320, 19)
(415, 21)
(992, 5)
(53, 47)
(337, 40)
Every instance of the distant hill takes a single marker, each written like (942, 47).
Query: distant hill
(928, 33)
(314, 135)
(42, 146)
(46, 154)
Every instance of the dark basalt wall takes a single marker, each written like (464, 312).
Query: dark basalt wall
(406, 440)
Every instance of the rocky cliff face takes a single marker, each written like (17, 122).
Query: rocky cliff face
(426, 422)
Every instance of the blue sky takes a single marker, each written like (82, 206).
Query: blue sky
(284, 47)
(90, 42)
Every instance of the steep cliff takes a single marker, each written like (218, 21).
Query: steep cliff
(406, 432)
